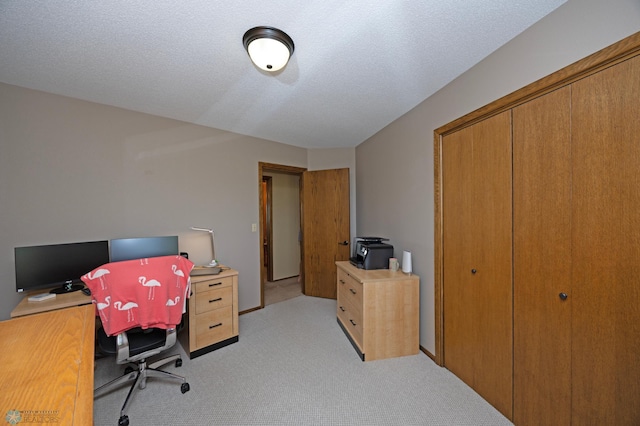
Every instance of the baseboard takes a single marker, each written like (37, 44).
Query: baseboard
(427, 353)
(213, 347)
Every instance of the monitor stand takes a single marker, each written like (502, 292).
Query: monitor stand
(67, 288)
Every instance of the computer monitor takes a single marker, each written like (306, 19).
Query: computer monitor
(57, 265)
(138, 248)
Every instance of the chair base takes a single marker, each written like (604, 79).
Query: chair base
(139, 378)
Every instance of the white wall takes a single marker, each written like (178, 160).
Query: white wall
(77, 171)
(395, 167)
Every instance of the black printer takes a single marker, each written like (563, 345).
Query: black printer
(371, 253)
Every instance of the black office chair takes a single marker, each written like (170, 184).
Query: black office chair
(138, 302)
(136, 346)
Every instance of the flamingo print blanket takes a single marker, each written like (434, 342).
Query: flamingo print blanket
(147, 293)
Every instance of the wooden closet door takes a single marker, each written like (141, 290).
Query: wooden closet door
(477, 247)
(542, 260)
(459, 243)
(606, 246)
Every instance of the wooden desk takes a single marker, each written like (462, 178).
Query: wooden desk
(46, 365)
(67, 300)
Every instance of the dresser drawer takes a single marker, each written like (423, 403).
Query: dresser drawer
(211, 284)
(342, 278)
(350, 289)
(214, 299)
(214, 326)
(351, 318)
(346, 304)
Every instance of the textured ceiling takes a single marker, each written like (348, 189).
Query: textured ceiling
(357, 66)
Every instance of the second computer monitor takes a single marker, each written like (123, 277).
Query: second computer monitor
(138, 248)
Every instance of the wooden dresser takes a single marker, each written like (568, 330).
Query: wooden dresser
(379, 311)
(212, 313)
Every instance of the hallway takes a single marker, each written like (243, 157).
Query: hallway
(281, 290)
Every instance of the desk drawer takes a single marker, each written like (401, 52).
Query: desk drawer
(213, 299)
(211, 284)
(214, 326)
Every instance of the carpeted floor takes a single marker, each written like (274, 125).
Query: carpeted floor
(294, 366)
(281, 290)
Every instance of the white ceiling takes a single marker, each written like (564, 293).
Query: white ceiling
(357, 66)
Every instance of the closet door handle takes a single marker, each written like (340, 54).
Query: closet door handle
(344, 243)
(473, 271)
(563, 296)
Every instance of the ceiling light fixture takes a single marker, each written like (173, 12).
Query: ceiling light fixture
(269, 48)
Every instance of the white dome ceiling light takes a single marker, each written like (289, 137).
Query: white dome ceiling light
(269, 48)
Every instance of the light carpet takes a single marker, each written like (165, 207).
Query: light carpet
(293, 365)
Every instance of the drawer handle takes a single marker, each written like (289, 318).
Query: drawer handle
(352, 291)
(341, 281)
(352, 322)
(215, 325)
(342, 309)
(215, 284)
(215, 300)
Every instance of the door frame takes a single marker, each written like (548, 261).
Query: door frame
(591, 64)
(283, 169)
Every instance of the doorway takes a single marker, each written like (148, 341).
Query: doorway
(281, 276)
(324, 225)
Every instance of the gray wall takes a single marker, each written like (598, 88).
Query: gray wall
(77, 171)
(394, 168)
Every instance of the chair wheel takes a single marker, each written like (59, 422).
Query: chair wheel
(184, 388)
(127, 371)
(124, 421)
(179, 362)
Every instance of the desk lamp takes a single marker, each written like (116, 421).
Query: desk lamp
(214, 262)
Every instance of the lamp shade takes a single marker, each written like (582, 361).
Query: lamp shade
(213, 262)
(269, 48)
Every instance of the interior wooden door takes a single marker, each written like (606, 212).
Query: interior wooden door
(542, 260)
(326, 229)
(606, 246)
(477, 244)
